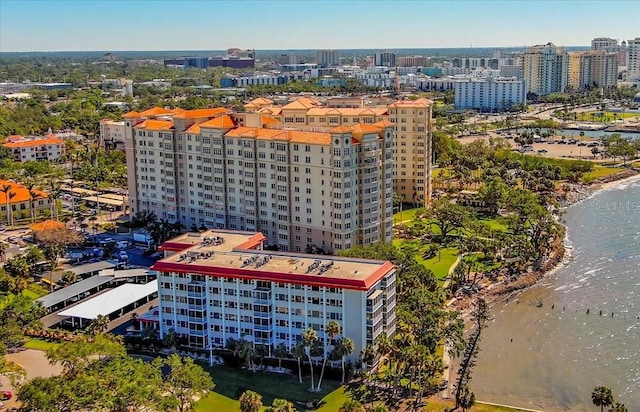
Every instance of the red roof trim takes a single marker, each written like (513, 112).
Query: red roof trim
(293, 278)
(253, 242)
(174, 246)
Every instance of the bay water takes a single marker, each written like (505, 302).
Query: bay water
(587, 331)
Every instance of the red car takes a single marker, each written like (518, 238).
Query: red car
(6, 395)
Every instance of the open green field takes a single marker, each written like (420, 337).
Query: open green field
(598, 172)
(230, 383)
(599, 116)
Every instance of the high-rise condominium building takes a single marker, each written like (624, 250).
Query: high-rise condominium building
(592, 69)
(609, 45)
(328, 58)
(633, 59)
(329, 187)
(221, 285)
(411, 119)
(545, 69)
(412, 61)
(385, 58)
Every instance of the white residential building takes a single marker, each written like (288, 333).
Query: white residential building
(111, 132)
(220, 285)
(29, 148)
(633, 59)
(385, 58)
(545, 69)
(300, 186)
(489, 94)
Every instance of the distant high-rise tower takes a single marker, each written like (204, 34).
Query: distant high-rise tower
(545, 69)
(633, 59)
(609, 45)
(385, 58)
(595, 68)
(328, 58)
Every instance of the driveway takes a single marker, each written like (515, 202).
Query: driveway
(35, 363)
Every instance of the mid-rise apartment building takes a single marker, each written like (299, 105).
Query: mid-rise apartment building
(592, 69)
(29, 148)
(489, 93)
(328, 187)
(412, 61)
(22, 202)
(111, 133)
(222, 285)
(411, 119)
(328, 58)
(545, 69)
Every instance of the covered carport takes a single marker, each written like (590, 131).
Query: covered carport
(105, 202)
(112, 304)
(62, 298)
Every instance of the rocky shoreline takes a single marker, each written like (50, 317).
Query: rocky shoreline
(497, 292)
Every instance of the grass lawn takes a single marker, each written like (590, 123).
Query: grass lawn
(39, 344)
(231, 382)
(495, 223)
(441, 263)
(438, 405)
(598, 172)
(406, 214)
(30, 294)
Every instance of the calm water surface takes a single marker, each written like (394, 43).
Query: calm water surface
(559, 351)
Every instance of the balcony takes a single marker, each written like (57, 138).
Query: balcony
(265, 328)
(197, 320)
(200, 308)
(194, 332)
(196, 294)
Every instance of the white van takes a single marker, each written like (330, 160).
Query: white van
(123, 255)
(122, 244)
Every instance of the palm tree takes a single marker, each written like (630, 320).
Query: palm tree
(245, 350)
(250, 401)
(345, 348)
(33, 196)
(99, 325)
(3, 251)
(69, 277)
(170, 339)
(280, 352)
(618, 407)
(8, 194)
(310, 340)
(602, 396)
(298, 353)
(281, 405)
(331, 331)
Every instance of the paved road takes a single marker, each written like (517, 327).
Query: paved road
(35, 363)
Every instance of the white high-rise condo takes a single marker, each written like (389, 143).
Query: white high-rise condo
(545, 69)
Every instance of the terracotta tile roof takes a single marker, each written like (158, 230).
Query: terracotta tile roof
(22, 193)
(303, 103)
(195, 129)
(222, 122)
(363, 128)
(14, 138)
(131, 115)
(384, 123)
(34, 142)
(192, 114)
(419, 103)
(296, 136)
(340, 129)
(155, 125)
(260, 101)
(156, 111)
(269, 120)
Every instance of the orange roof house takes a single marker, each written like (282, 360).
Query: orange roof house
(15, 143)
(21, 193)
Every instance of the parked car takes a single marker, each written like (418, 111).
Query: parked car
(6, 395)
(122, 244)
(582, 144)
(542, 151)
(107, 240)
(572, 141)
(123, 255)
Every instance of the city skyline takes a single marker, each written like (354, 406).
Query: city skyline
(55, 25)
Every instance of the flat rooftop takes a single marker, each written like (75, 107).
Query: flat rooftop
(211, 258)
(230, 240)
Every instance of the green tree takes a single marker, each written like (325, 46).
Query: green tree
(602, 397)
(250, 401)
(246, 351)
(298, 353)
(185, 383)
(331, 331)
(170, 339)
(310, 340)
(618, 407)
(281, 405)
(345, 348)
(467, 399)
(448, 216)
(280, 352)
(351, 405)
(99, 325)
(69, 277)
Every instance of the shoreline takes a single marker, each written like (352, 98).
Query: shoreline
(558, 250)
(560, 253)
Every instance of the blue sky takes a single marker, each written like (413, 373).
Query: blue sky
(33, 25)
